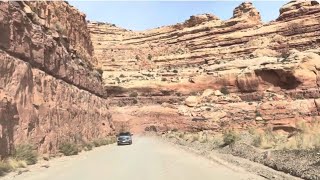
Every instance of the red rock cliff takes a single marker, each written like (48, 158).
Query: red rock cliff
(264, 65)
(49, 91)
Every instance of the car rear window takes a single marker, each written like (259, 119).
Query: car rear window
(125, 134)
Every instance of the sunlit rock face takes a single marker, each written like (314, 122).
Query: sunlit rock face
(262, 74)
(49, 90)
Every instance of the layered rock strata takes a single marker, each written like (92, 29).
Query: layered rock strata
(263, 74)
(49, 91)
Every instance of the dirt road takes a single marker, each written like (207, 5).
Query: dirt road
(146, 159)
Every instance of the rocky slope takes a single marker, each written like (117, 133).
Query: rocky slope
(49, 91)
(238, 73)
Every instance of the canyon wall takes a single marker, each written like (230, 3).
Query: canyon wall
(49, 91)
(210, 74)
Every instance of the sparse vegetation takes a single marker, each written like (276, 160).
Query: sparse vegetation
(137, 57)
(88, 146)
(15, 164)
(149, 57)
(258, 114)
(135, 101)
(4, 168)
(60, 29)
(104, 141)
(68, 148)
(163, 79)
(151, 128)
(26, 152)
(113, 60)
(230, 137)
(224, 90)
(175, 71)
(133, 94)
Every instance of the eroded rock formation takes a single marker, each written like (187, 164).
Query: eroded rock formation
(49, 91)
(261, 74)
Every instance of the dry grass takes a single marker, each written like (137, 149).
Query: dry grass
(15, 164)
(307, 137)
(11, 164)
(4, 168)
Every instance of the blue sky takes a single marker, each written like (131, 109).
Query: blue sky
(143, 15)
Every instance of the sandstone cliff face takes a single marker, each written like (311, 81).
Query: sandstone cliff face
(49, 92)
(250, 62)
(46, 49)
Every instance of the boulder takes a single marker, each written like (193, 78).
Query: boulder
(218, 93)
(192, 101)
(207, 92)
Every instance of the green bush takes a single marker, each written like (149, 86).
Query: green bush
(230, 137)
(26, 152)
(69, 149)
(224, 90)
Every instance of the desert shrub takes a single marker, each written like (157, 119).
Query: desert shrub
(230, 137)
(165, 92)
(135, 101)
(163, 79)
(26, 152)
(113, 60)
(68, 148)
(122, 76)
(88, 146)
(4, 168)
(258, 114)
(133, 94)
(175, 71)
(151, 128)
(257, 140)
(103, 141)
(224, 90)
(137, 57)
(149, 57)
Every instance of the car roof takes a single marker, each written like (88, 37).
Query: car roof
(124, 134)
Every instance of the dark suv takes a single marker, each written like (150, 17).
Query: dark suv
(124, 138)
